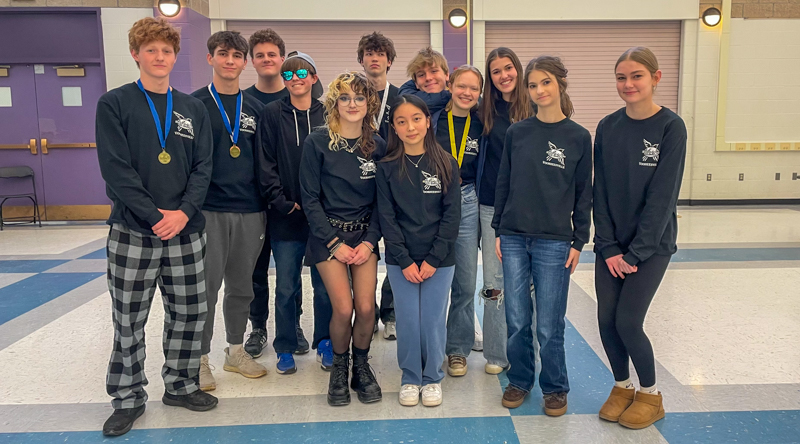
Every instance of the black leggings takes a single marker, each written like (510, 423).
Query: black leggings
(621, 308)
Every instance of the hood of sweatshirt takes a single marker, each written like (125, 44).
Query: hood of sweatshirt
(300, 122)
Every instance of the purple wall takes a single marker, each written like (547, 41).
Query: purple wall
(455, 44)
(191, 71)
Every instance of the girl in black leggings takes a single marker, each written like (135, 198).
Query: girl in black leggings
(639, 158)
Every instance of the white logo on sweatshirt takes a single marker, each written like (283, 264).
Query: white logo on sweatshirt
(556, 154)
(247, 123)
(430, 182)
(183, 124)
(368, 168)
(472, 146)
(650, 151)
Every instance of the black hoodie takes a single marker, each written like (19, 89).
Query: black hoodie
(282, 130)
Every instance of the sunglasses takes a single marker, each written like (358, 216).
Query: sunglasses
(301, 74)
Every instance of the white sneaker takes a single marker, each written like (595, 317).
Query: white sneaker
(207, 381)
(478, 344)
(432, 395)
(389, 331)
(409, 395)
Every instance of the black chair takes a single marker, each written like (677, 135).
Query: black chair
(20, 172)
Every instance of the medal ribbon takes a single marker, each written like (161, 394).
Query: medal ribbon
(379, 120)
(458, 155)
(162, 135)
(233, 132)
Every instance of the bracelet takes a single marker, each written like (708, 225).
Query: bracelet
(335, 248)
(371, 248)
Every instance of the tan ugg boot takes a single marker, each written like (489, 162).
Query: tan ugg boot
(645, 410)
(619, 400)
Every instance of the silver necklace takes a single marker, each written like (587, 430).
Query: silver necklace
(416, 164)
(349, 148)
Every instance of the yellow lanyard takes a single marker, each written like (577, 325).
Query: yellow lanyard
(458, 155)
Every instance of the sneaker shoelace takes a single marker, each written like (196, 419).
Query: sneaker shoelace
(430, 390)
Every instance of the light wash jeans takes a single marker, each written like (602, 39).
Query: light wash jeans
(494, 314)
(461, 317)
(420, 310)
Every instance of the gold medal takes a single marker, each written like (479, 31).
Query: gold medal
(164, 157)
(235, 151)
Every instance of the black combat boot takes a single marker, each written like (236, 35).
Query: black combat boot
(338, 392)
(364, 382)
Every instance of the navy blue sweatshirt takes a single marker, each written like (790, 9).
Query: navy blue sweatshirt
(128, 148)
(544, 186)
(469, 165)
(281, 133)
(383, 127)
(419, 221)
(435, 101)
(234, 183)
(267, 98)
(638, 171)
(338, 184)
(494, 150)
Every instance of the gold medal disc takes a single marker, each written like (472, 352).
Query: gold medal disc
(235, 151)
(164, 157)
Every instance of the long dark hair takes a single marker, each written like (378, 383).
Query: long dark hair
(520, 106)
(554, 67)
(438, 156)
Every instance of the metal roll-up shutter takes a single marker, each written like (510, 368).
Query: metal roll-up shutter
(589, 51)
(333, 45)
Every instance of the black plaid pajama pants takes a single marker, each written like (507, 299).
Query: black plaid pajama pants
(136, 264)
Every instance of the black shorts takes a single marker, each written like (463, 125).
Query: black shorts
(317, 252)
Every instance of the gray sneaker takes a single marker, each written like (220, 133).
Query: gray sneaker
(207, 382)
(241, 362)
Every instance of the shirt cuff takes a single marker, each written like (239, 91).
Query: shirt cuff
(610, 251)
(630, 259)
(432, 261)
(578, 245)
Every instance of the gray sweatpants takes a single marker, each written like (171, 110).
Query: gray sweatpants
(234, 241)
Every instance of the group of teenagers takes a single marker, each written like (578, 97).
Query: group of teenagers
(207, 186)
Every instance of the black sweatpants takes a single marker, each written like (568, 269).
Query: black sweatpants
(622, 305)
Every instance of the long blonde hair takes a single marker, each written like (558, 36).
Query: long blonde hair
(357, 83)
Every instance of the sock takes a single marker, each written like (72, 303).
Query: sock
(649, 390)
(233, 348)
(626, 384)
(359, 352)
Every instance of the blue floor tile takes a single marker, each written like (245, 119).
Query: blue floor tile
(762, 427)
(589, 379)
(422, 431)
(99, 254)
(27, 294)
(29, 266)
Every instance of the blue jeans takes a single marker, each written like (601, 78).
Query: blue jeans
(461, 317)
(420, 312)
(323, 310)
(288, 257)
(495, 330)
(542, 260)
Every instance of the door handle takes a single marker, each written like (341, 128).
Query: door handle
(44, 146)
(32, 144)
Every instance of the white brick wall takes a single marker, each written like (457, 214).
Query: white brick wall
(699, 84)
(764, 86)
(120, 67)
